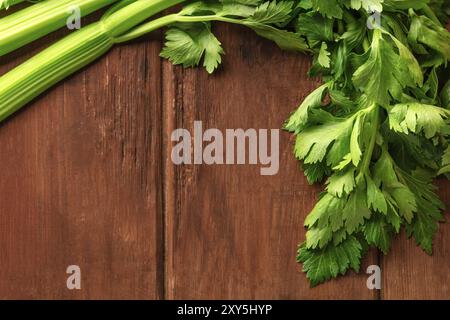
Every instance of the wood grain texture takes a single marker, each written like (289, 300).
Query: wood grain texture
(232, 233)
(82, 185)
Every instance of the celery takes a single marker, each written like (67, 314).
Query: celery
(40, 19)
(70, 54)
(50, 66)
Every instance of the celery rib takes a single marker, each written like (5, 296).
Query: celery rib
(27, 81)
(40, 19)
(50, 66)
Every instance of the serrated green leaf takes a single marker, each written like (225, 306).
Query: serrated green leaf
(429, 208)
(383, 171)
(427, 32)
(375, 198)
(393, 219)
(324, 56)
(299, 118)
(418, 117)
(405, 200)
(286, 40)
(339, 236)
(340, 184)
(272, 12)
(315, 27)
(315, 172)
(318, 237)
(378, 233)
(327, 212)
(339, 99)
(354, 34)
(330, 9)
(407, 59)
(385, 73)
(323, 264)
(368, 5)
(186, 45)
(312, 143)
(356, 210)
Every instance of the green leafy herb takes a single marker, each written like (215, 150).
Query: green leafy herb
(382, 146)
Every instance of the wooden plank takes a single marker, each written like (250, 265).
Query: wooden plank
(81, 182)
(232, 233)
(409, 273)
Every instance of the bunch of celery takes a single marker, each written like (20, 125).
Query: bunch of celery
(378, 128)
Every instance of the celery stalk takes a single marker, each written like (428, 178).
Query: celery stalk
(133, 14)
(28, 80)
(50, 66)
(40, 19)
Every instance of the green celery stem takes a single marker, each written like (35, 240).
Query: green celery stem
(127, 18)
(168, 20)
(27, 81)
(40, 19)
(30, 79)
(147, 28)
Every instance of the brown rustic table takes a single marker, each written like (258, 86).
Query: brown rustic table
(87, 180)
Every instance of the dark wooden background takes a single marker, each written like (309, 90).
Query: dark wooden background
(87, 180)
